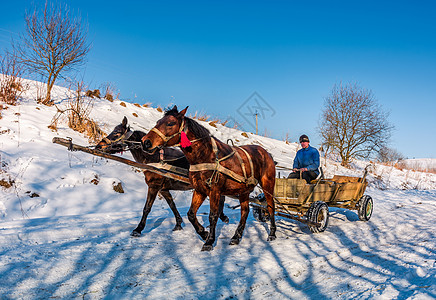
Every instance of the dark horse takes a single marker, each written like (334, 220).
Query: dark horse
(216, 169)
(122, 138)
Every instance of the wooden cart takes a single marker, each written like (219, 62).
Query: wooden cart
(308, 203)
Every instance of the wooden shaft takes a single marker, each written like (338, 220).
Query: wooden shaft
(67, 143)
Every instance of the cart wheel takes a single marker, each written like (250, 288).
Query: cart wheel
(318, 212)
(365, 207)
(260, 215)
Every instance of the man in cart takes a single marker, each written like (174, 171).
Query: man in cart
(306, 162)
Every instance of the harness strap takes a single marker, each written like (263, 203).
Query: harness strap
(242, 164)
(126, 135)
(250, 180)
(217, 167)
(167, 138)
(170, 168)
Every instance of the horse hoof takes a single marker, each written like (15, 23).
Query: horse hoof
(177, 228)
(135, 233)
(271, 238)
(207, 248)
(225, 220)
(234, 242)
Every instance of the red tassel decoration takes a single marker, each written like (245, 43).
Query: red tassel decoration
(184, 141)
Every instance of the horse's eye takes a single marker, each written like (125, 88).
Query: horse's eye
(171, 123)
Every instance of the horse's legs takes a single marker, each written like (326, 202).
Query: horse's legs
(197, 200)
(215, 211)
(167, 195)
(223, 217)
(267, 184)
(245, 209)
(151, 196)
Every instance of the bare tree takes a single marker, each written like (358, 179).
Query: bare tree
(54, 43)
(353, 124)
(11, 82)
(389, 155)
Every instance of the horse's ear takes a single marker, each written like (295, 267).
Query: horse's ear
(183, 112)
(124, 123)
(175, 108)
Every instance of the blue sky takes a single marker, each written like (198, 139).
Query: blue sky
(214, 55)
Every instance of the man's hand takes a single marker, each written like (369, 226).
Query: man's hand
(299, 170)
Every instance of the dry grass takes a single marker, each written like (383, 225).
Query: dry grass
(159, 109)
(118, 187)
(200, 116)
(95, 93)
(11, 83)
(137, 105)
(135, 115)
(401, 165)
(213, 123)
(77, 111)
(123, 104)
(7, 183)
(108, 89)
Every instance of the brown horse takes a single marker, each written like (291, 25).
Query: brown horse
(122, 138)
(216, 169)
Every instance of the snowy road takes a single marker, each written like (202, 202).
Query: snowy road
(92, 256)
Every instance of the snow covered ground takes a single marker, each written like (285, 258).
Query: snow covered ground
(62, 236)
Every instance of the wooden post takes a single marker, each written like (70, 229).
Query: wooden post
(73, 147)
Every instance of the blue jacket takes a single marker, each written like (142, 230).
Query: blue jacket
(307, 158)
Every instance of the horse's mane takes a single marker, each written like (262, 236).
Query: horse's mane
(198, 130)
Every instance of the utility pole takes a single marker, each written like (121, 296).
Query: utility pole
(256, 122)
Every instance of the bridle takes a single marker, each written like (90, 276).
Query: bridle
(119, 141)
(165, 138)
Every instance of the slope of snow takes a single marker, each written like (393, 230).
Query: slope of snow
(63, 236)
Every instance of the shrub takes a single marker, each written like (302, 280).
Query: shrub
(77, 112)
(11, 83)
(92, 94)
(213, 123)
(109, 91)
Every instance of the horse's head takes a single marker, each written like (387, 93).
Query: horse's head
(167, 131)
(115, 141)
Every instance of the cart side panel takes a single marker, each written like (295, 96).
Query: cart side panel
(350, 191)
(288, 188)
(321, 192)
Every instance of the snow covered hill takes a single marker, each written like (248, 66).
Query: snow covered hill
(64, 236)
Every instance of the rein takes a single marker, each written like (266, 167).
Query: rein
(133, 145)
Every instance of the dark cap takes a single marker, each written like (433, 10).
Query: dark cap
(304, 138)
